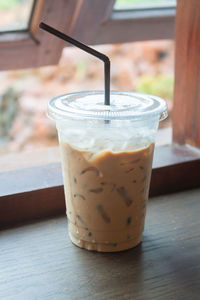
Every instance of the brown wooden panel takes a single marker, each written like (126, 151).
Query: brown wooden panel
(58, 14)
(38, 261)
(37, 192)
(122, 28)
(89, 17)
(174, 178)
(175, 168)
(103, 25)
(186, 111)
(32, 205)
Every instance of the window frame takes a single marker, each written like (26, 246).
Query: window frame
(32, 47)
(122, 26)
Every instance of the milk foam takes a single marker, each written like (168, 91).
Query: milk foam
(114, 139)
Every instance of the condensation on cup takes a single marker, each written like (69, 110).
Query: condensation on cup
(107, 154)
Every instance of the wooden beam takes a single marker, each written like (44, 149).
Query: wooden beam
(123, 27)
(186, 110)
(104, 25)
(89, 17)
(37, 192)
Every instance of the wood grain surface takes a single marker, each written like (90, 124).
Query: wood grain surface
(38, 261)
(88, 17)
(186, 110)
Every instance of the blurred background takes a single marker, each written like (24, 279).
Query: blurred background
(146, 67)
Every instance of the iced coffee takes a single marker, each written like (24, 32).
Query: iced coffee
(106, 195)
(107, 153)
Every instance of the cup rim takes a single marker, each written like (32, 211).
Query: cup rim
(132, 106)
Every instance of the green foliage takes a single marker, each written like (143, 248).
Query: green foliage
(5, 4)
(160, 85)
(81, 67)
(8, 109)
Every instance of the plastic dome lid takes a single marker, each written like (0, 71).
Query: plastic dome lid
(123, 106)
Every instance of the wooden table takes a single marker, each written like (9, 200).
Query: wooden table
(38, 261)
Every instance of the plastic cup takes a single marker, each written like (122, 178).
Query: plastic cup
(107, 154)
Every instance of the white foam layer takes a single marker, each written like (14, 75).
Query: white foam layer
(114, 139)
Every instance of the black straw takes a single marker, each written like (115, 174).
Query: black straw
(89, 50)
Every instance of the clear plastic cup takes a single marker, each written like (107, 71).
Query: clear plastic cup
(107, 154)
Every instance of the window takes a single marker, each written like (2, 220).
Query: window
(15, 15)
(23, 45)
(143, 4)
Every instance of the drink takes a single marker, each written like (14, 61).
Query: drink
(106, 172)
(106, 196)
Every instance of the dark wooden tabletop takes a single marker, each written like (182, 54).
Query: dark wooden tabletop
(38, 261)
